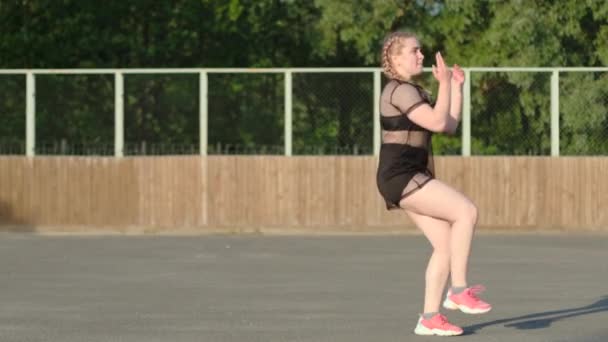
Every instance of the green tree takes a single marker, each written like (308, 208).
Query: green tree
(510, 111)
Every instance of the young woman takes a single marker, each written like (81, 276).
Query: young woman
(406, 179)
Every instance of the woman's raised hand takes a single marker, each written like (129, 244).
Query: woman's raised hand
(457, 75)
(440, 70)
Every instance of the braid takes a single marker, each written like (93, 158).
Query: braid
(393, 44)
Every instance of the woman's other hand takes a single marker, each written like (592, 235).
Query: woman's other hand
(457, 75)
(441, 72)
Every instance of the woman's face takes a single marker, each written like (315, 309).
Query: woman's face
(408, 61)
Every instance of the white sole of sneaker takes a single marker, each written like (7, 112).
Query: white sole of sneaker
(448, 304)
(424, 331)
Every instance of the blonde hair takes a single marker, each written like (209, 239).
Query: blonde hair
(393, 44)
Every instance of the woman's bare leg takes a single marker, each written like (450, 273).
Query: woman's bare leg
(438, 269)
(440, 201)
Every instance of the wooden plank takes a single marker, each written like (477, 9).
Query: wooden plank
(289, 193)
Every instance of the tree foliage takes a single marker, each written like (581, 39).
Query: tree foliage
(510, 111)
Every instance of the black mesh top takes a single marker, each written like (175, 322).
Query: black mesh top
(406, 162)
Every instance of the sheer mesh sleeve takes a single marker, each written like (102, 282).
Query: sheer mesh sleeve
(406, 97)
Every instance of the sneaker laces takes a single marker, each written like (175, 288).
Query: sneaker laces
(474, 291)
(443, 321)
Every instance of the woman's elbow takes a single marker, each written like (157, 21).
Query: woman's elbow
(442, 124)
(439, 127)
(450, 126)
(451, 129)
(445, 127)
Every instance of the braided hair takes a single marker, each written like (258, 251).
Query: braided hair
(393, 44)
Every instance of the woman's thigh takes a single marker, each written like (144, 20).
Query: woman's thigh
(438, 200)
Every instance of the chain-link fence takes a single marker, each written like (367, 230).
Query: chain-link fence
(245, 113)
(74, 114)
(12, 114)
(510, 113)
(321, 112)
(332, 113)
(584, 113)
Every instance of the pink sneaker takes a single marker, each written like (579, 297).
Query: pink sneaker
(437, 325)
(467, 301)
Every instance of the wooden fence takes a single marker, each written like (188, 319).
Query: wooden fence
(286, 194)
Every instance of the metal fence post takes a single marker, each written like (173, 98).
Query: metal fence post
(288, 113)
(466, 115)
(555, 113)
(376, 111)
(203, 113)
(118, 114)
(30, 115)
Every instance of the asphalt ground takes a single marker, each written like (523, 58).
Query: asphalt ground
(544, 287)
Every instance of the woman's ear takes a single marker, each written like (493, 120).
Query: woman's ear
(394, 60)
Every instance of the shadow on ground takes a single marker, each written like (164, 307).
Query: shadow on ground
(543, 320)
(10, 223)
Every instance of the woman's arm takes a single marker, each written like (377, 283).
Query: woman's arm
(437, 118)
(455, 98)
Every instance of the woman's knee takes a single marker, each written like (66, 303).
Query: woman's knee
(467, 212)
(470, 212)
(443, 252)
(442, 248)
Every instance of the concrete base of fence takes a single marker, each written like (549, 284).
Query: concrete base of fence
(406, 229)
